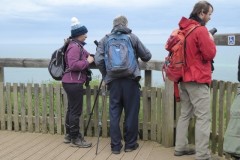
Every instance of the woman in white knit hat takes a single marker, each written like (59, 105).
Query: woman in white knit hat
(77, 63)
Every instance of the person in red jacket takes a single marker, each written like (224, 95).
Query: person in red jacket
(194, 88)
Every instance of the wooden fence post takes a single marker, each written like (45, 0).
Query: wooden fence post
(1, 74)
(168, 115)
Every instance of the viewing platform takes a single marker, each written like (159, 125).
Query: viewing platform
(38, 146)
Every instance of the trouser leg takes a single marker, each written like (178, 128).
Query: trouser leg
(201, 101)
(115, 111)
(199, 98)
(181, 143)
(131, 103)
(75, 104)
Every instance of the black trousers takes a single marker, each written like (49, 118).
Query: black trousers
(75, 104)
(124, 94)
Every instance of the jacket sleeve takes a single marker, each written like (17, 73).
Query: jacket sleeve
(76, 59)
(141, 51)
(99, 57)
(206, 44)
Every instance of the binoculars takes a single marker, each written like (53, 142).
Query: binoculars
(213, 31)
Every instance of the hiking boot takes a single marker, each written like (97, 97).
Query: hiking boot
(117, 151)
(80, 142)
(182, 153)
(131, 149)
(67, 139)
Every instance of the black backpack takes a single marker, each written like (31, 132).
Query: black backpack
(57, 64)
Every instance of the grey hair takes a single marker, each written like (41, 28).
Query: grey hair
(120, 20)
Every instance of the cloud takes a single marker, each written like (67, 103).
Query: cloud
(43, 9)
(30, 8)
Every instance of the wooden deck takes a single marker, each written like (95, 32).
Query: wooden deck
(36, 146)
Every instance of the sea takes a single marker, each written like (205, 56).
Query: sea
(225, 62)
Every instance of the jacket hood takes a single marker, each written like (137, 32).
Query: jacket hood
(185, 23)
(122, 29)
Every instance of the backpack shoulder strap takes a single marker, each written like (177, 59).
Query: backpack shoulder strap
(191, 29)
(187, 34)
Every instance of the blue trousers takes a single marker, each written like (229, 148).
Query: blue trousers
(124, 94)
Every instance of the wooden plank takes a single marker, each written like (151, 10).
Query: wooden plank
(30, 151)
(65, 107)
(153, 114)
(159, 115)
(6, 137)
(97, 114)
(88, 110)
(1, 74)
(36, 107)
(15, 103)
(235, 85)
(55, 151)
(145, 113)
(20, 150)
(44, 108)
(145, 150)
(148, 78)
(228, 101)
(23, 107)
(15, 141)
(43, 63)
(168, 111)
(30, 110)
(214, 115)
(223, 39)
(24, 62)
(58, 104)
(9, 106)
(2, 106)
(221, 117)
(104, 112)
(51, 109)
(54, 142)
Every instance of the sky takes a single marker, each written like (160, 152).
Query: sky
(48, 21)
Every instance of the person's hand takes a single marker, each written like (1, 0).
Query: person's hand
(90, 59)
(211, 36)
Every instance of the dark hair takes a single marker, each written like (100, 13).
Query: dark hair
(201, 6)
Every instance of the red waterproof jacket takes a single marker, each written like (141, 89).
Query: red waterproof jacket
(200, 51)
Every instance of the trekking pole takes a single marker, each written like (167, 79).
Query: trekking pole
(85, 130)
(94, 104)
(100, 120)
